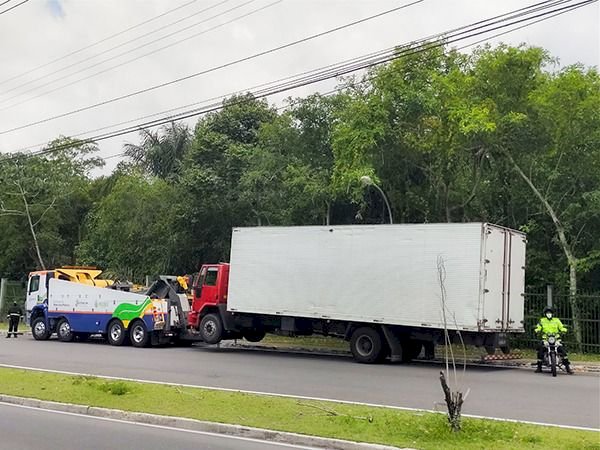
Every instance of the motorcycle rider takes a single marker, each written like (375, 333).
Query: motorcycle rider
(546, 326)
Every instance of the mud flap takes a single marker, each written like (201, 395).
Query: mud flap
(394, 344)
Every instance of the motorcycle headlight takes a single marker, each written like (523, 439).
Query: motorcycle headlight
(551, 340)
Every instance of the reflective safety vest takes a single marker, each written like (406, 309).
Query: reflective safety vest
(550, 326)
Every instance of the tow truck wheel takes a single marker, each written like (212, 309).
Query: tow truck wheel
(138, 334)
(211, 329)
(366, 345)
(116, 332)
(63, 331)
(39, 329)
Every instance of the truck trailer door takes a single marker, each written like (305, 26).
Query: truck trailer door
(504, 278)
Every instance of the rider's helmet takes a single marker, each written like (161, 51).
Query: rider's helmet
(548, 309)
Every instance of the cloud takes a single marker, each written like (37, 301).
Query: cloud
(56, 8)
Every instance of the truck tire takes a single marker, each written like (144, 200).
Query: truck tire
(64, 332)
(211, 329)
(39, 330)
(366, 345)
(254, 335)
(138, 334)
(116, 332)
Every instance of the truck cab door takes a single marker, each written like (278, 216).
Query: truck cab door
(206, 291)
(37, 291)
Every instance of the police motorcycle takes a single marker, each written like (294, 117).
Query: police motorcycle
(552, 357)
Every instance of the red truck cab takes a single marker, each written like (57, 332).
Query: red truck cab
(209, 292)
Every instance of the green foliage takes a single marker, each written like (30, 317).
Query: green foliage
(46, 197)
(129, 232)
(160, 153)
(440, 132)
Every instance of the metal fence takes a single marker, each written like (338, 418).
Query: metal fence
(536, 299)
(10, 291)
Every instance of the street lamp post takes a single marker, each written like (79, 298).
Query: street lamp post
(368, 181)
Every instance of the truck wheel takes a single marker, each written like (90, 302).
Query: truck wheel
(63, 331)
(505, 349)
(116, 333)
(138, 334)
(211, 329)
(39, 329)
(366, 345)
(254, 335)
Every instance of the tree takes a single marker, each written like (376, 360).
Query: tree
(210, 191)
(405, 127)
(130, 232)
(160, 152)
(40, 197)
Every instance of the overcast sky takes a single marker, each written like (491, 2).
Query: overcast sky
(40, 31)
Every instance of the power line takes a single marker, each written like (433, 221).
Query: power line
(13, 7)
(4, 2)
(532, 7)
(112, 36)
(234, 19)
(152, 32)
(441, 41)
(408, 51)
(212, 69)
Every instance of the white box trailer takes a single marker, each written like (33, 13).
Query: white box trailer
(386, 274)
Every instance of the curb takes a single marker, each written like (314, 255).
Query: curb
(196, 425)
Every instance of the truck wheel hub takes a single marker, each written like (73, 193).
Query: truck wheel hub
(209, 328)
(138, 334)
(364, 345)
(115, 332)
(65, 329)
(40, 328)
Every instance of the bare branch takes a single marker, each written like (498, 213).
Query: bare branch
(45, 211)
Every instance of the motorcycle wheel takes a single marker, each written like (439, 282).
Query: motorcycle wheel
(553, 363)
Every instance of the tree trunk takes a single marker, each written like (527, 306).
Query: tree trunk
(575, 305)
(32, 229)
(564, 243)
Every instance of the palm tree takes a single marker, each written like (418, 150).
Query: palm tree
(160, 152)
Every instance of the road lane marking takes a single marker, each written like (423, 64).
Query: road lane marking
(301, 397)
(163, 427)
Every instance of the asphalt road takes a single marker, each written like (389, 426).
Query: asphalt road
(35, 429)
(495, 392)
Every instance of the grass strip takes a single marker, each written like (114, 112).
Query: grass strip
(326, 419)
